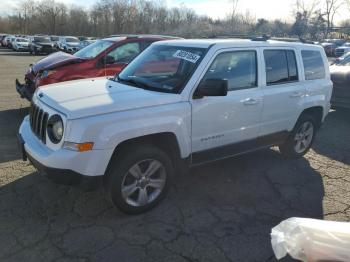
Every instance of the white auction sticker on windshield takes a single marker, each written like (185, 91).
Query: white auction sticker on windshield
(188, 56)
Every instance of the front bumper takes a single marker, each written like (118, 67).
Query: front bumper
(44, 50)
(24, 90)
(63, 166)
(22, 48)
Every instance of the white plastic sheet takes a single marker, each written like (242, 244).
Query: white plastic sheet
(312, 240)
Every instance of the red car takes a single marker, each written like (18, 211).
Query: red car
(106, 57)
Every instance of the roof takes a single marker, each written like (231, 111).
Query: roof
(144, 36)
(114, 39)
(227, 43)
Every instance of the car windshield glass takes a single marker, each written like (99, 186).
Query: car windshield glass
(72, 40)
(54, 38)
(22, 40)
(93, 50)
(163, 68)
(344, 62)
(42, 39)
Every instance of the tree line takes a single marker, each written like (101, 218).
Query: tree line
(106, 17)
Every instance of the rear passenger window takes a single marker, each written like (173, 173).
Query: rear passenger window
(239, 68)
(281, 66)
(313, 65)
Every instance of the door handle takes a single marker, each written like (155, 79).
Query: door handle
(250, 102)
(297, 94)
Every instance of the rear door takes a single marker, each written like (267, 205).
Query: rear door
(283, 91)
(318, 83)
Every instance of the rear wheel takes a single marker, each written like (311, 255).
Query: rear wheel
(138, 181)
(301, 138)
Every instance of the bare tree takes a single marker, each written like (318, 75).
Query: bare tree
(108, 17)
(306, 7)
(234, 10)
(49, 14)
(331, 8)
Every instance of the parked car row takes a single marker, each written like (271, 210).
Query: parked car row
(104, 57)
(335, 47)
(44, 44)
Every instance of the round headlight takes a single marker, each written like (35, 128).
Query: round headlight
(55, 129)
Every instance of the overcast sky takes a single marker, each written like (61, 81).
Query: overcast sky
(269, 9)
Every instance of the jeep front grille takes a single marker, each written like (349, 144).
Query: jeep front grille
(38, 122)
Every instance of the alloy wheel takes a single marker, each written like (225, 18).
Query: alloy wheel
(303, 137)
(143, 182)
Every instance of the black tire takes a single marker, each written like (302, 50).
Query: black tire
(288, 149)
(118, 172)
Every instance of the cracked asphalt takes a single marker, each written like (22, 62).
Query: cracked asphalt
(218, 212)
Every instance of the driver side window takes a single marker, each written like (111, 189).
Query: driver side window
(125, 53)
(239, 68)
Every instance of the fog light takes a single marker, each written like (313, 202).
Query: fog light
(79, 147)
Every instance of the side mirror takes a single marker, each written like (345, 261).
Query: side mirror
(212, 87)
(109, 60)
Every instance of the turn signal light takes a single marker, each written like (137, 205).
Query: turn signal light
(80, 147)
(85, 147)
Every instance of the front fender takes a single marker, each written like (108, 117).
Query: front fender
(109, 130)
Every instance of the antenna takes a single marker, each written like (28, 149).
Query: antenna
(104, 62)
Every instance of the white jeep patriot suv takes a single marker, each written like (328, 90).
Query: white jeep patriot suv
(180, 102)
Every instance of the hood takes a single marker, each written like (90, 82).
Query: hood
(95, 96)
(73, 43)
(340, 74)
(55, 60)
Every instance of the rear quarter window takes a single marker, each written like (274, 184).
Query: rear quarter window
(313, 65)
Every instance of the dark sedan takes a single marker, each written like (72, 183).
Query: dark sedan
(41, 45)
(340, 73)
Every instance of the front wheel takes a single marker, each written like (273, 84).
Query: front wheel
(301, 138)
(138, 179)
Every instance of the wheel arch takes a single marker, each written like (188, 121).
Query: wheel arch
(316, 112)
(166, 141)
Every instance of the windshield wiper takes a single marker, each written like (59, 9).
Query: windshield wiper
(131, 81)
(145, 84)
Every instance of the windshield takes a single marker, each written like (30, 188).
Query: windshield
(345, 61)
(72, 40)
(93, 50)
(54, 38)
(21, 40)
(42, 39)
(163, 68)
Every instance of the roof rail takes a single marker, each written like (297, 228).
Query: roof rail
(238, 36)
(264, 37)
(283, 39)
